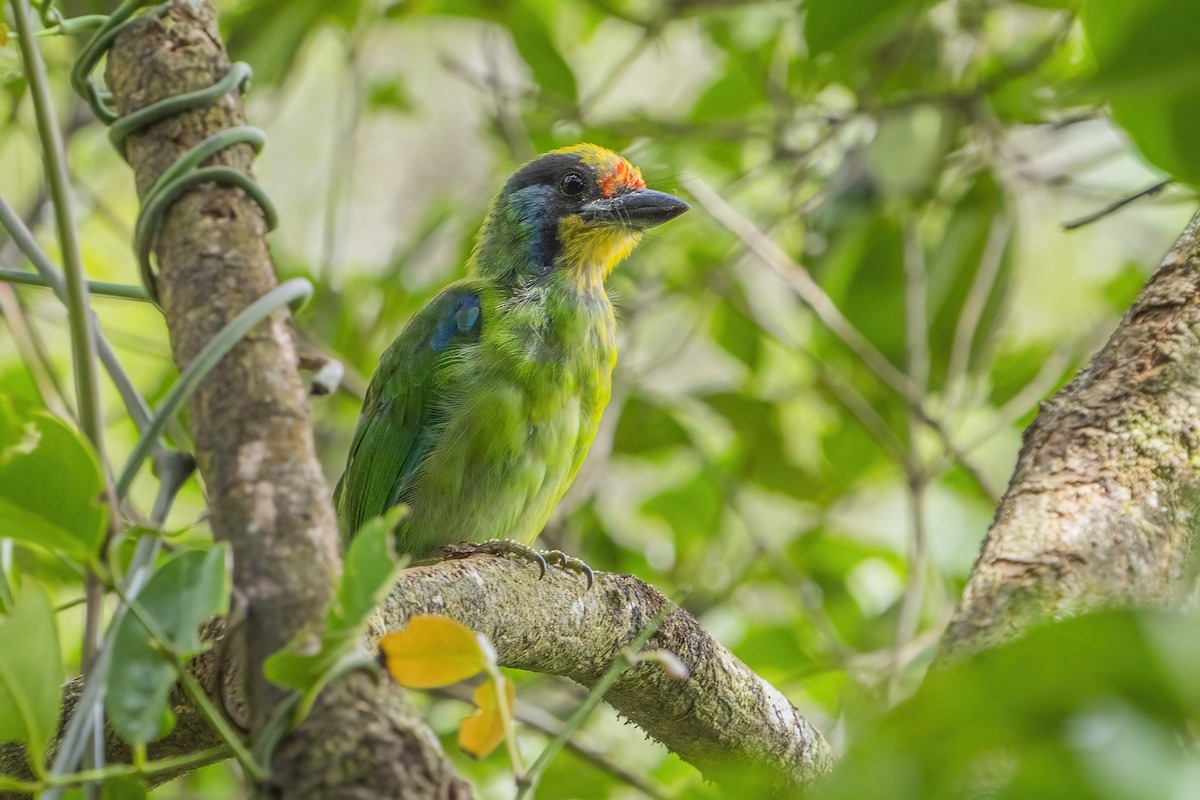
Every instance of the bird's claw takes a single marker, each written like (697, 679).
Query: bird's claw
(543, 558)
(560, 559)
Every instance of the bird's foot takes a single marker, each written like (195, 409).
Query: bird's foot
(507, 547)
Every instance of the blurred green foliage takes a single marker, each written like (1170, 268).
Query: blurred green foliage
(915, 158)
(1102, 707)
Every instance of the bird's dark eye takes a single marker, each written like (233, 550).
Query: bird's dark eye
(572, 184)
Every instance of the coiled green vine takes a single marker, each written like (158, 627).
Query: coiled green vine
(186, 172)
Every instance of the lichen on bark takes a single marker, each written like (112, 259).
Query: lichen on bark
(1102, 507)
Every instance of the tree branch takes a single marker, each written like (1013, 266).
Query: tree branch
(1102, 507)
(722, 717)
(253, 434)
(269, 500)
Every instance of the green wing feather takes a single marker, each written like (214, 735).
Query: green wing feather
(397, 426)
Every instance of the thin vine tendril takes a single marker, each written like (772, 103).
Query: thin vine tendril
(186, 171)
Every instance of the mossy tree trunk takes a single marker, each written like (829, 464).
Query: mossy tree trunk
(254, 443)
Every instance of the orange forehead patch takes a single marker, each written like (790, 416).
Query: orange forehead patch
(615, 174)
(621, 176)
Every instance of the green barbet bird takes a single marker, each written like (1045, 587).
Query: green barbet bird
(481, 412)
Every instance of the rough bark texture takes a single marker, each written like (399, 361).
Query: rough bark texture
(1101, 510)
(254, 441)
(253, 438)
(722, 715)
(268, 499)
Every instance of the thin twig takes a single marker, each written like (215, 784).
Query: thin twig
(916, 322)
(39, 369)
(89, 708)
(135, 405)
(973, 307)
(863, 411)
(102, 288)
(1113, 208)
(540, 720)
(341, 161)
(1020, 404)
(807, 289)
(509, 123)
(183, 763)
(782, 264)
(621, 663)
(192, 687)
(53, 152)
(83, 345)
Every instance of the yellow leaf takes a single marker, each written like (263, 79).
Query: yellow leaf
(483, 731)
(433, 651)
(3, 35)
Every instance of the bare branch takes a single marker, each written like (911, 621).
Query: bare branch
(1101, 510)
(722, 717)
(807, 289)
(1096, 216)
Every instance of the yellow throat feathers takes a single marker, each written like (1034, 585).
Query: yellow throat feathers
(591, 253)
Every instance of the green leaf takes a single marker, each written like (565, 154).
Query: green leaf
(536, 45)
(1148, 65)
(954, 260)
(863, 271)
(760, 456)
(50, 485)
(122, 787)
(834, 24)
(1163, 126)
(647, 428)
(1123, 287)
(736, 334)
(369, 571)
(302, 664)
(1050, 716)
(270, 33)
(13, 86)
(389, 95)
(30, 671)
(1143, 44)
(1012, 370)
(182, 594)
(907, 152)
(531, 35)
(692, 509)
(736, 94)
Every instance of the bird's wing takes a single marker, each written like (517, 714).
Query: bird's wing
(396, 428)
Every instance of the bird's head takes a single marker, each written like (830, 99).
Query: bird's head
(571, 214)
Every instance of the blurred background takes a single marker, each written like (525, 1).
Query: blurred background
(816, 495)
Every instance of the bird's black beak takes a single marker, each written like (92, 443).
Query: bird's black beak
(641, 208)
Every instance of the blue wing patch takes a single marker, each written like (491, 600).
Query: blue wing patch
(456, 320)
